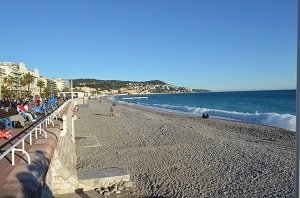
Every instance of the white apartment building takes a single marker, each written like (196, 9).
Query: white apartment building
(59, 83)
(88, 89)
(11, 69)
(18, 70)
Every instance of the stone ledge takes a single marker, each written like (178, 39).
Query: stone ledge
(103, 173)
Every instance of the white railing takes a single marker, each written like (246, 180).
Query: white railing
(34, 131)
(68, 122)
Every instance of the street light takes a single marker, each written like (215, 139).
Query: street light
(52, 94)
(19, 87)
(72, 89)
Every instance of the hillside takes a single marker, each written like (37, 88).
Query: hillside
(112, 84)
(154, 86)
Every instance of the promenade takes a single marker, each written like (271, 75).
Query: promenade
(23, 179)
(45, 160)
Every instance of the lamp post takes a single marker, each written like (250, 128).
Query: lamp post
(52, 93)
(19, 87)
(72, 89)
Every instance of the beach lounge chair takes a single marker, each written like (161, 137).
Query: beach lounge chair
(8, 123)
(38, 109)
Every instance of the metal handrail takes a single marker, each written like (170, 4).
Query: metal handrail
(45, 122)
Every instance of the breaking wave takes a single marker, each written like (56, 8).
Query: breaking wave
(286, 121)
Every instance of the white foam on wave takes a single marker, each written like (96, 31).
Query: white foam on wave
(286, 121)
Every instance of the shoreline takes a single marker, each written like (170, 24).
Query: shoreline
(189, 114)
(171, 155)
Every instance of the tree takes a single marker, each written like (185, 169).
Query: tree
(9, 80)
(47, 92)
(4, 90)
(41, 85)
(23, 84)
(65, 89)
(28, 79)
(78, 89)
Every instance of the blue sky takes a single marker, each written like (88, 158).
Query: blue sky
(212, 44)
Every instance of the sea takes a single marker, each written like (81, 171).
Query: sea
(273, 108)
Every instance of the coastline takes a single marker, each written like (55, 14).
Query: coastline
(109, 98)
(172, 155)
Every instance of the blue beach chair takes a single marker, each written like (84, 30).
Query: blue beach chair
(8, 123)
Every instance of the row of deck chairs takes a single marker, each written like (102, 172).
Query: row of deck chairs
(46, 107)
(42, 109)
(9, 124)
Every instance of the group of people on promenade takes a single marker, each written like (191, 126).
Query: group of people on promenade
(19, 110)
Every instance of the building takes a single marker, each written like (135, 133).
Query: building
(11, 69)
(17, 71)
(51, 84)
(88, 89)
(127, 91)
(113, 91)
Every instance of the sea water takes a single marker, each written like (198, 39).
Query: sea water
(273, 108)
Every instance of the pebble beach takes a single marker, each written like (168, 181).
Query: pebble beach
(175, 155)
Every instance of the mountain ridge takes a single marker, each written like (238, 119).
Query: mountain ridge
(119, 84)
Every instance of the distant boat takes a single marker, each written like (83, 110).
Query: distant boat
(133, 98)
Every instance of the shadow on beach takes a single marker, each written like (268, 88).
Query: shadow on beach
(80, 192)
(99, 114)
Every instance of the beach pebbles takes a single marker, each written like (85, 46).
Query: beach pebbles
(116, 188)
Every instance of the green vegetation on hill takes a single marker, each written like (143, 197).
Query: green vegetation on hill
(152, 86)
(112, 84)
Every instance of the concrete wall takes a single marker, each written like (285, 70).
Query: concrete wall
(62, 177)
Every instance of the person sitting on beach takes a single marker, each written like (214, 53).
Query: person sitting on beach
(113, 112)
(205, 116)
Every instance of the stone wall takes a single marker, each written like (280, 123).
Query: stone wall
(62, 177)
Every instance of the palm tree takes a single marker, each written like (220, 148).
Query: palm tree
(4, 90)
(28, 79)
(23, 84)
(41, 85)
(65, 89)
(9, 80)
(47, 92)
